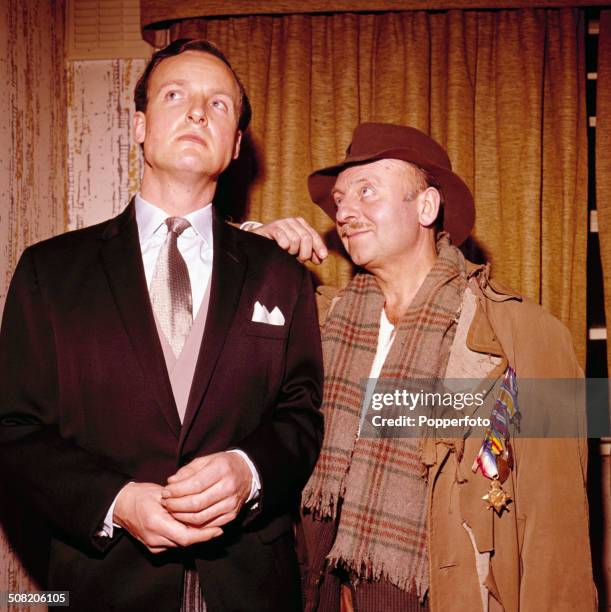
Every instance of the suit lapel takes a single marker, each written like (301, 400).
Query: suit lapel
(228, 269)
(122, 260)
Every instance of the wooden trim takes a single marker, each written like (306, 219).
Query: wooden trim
(156, 14)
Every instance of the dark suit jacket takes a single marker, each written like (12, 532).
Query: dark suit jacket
(86, 406)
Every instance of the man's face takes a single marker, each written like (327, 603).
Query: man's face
(190, 123)
(376, 225)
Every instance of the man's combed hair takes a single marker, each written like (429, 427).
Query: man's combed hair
(176, 48)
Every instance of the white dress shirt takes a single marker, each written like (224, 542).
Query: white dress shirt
(196, 247)
(386, 337)
(194, 244)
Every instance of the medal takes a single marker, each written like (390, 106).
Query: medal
(495, 457)
(497, 498)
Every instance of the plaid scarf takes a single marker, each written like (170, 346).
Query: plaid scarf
(378, 484)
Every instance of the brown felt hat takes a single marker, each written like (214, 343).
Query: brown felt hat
(374, 141)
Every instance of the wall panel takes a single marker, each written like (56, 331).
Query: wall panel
(103, 164)
(32, 197)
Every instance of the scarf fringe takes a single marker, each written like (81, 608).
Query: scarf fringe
(372, 571)
(321, 505)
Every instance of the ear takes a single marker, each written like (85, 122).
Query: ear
(139, 127)
(236, 147)
(428, 206)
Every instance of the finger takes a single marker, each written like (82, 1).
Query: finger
(191, 485)
(163, 531)
(156, 539)
(281, 238)
(187, 503)
(158, 542)
(224, 476)
(190, 469)
(184, 472)
(318, 246)
(157, 549)
(293, 238)
(312, 247)
(208, 517)
(297, 231)
(179, 534)
(199, 501)
(305, 248)
(221, 520)
(195, 535)
(267, 230)
(302, 237)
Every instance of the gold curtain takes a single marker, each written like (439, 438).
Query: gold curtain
(603, 160)
(503, 91)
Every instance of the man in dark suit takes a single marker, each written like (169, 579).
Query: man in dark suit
(160, 376)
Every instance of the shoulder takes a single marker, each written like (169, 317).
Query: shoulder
(262, 252)
(522, 313)
(68, 241)
(68, 251)
(88, 238)
(270, 271)
(504, 301)
(535, 342)
(77, 252)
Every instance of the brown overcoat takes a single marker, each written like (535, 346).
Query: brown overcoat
(540, 552)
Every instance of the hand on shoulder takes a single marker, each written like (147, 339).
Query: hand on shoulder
(297, 236)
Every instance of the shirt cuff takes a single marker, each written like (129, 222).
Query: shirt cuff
(108, 526)
(248, 226)
(255, 487)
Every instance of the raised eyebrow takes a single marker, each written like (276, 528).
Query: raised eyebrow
(370, 180)
(358, 181)
(172, 83)
(184, 83)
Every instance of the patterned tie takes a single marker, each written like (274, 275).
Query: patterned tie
(171, 288)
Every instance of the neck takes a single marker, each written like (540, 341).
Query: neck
(401, 280)
(177, 197)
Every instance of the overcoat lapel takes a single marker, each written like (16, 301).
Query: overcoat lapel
(122, 260)
(228, 270)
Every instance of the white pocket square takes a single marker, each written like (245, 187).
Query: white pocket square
(260, 314)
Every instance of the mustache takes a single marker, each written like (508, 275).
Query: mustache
(351, 228)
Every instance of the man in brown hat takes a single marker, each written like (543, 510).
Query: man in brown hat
(463, 521)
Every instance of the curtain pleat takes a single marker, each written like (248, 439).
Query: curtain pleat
(603, 160)
(503, 91)
(564, 215)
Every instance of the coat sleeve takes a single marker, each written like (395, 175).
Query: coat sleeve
(551, 495)
(284, 448)
(69, 487)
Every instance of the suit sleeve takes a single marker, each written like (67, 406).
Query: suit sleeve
(68, 486)
(284, 448)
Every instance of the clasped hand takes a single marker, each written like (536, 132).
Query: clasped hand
(192, 507)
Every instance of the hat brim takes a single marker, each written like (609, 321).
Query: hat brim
(459, 210)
